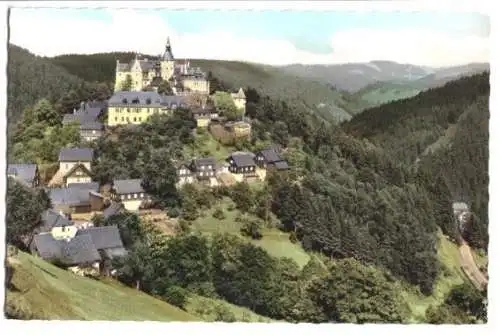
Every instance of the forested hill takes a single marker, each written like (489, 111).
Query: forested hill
(445, 131)
(407, 127)
(31, 78)
(317, 97)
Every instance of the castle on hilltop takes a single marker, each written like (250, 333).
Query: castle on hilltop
(141, 74)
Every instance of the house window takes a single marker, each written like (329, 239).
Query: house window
(129, 196)
(123, 197)
(116, 118)
(135, 195)
(123, 119)
(135, 119)
(137, 110)
(128, 110)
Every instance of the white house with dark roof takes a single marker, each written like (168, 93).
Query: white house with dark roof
(130, 193)
(27, 174)
(242, 163)
(69, 157)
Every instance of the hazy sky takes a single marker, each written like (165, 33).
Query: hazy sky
(272, 37)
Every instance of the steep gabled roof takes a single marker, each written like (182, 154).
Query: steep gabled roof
(70, 196)
(128, 186)
(92, 186)
(52, 218)
(270, 156)
(243, 159)
(91, 125)
(103, 237)
(78, 250)
(205, 161)
(76, 154)
(77, 167)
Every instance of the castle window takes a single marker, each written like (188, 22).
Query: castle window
(148, 101)
(128, 110)
(124, 100)
(135, 119)
(116, 118)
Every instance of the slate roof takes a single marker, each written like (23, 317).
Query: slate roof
(112, 209)
(87, 113)
(128, 186)
(141, 99)
(146, 65)
(270, 156)
(243, 159)
(204, 162)
(92, 186)
(70, 196)
(24, 172)
(76, 154)
(91, 125)
(79, 250)
(103, 237)
(83, 248)
(52, 218)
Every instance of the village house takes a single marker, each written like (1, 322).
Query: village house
(203, 115)
(27, 174)
(128, 107)
(69, 157)
(77, 174)
(76, 198)
(269, 158)
(242, 163)
(184, 173)
(204, 168)
(87, 119)
(131, 193)
(71, 247)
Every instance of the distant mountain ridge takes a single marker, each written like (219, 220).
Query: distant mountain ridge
(353, 77)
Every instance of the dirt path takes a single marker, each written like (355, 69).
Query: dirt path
(470, 267)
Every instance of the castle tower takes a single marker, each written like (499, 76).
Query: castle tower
(167, 62)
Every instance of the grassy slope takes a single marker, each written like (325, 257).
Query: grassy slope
(275, 242)
(384, 92)
(48, 292)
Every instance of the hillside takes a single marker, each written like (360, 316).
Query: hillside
(445, 131)
(354, 76)
(31, 78)
(43, 291)
(273, 81)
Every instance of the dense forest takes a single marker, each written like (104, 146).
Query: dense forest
(362, 197)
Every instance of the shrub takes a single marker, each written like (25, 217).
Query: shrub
(176, 296)
(174, 212)
(219, 214)
(222, 313)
